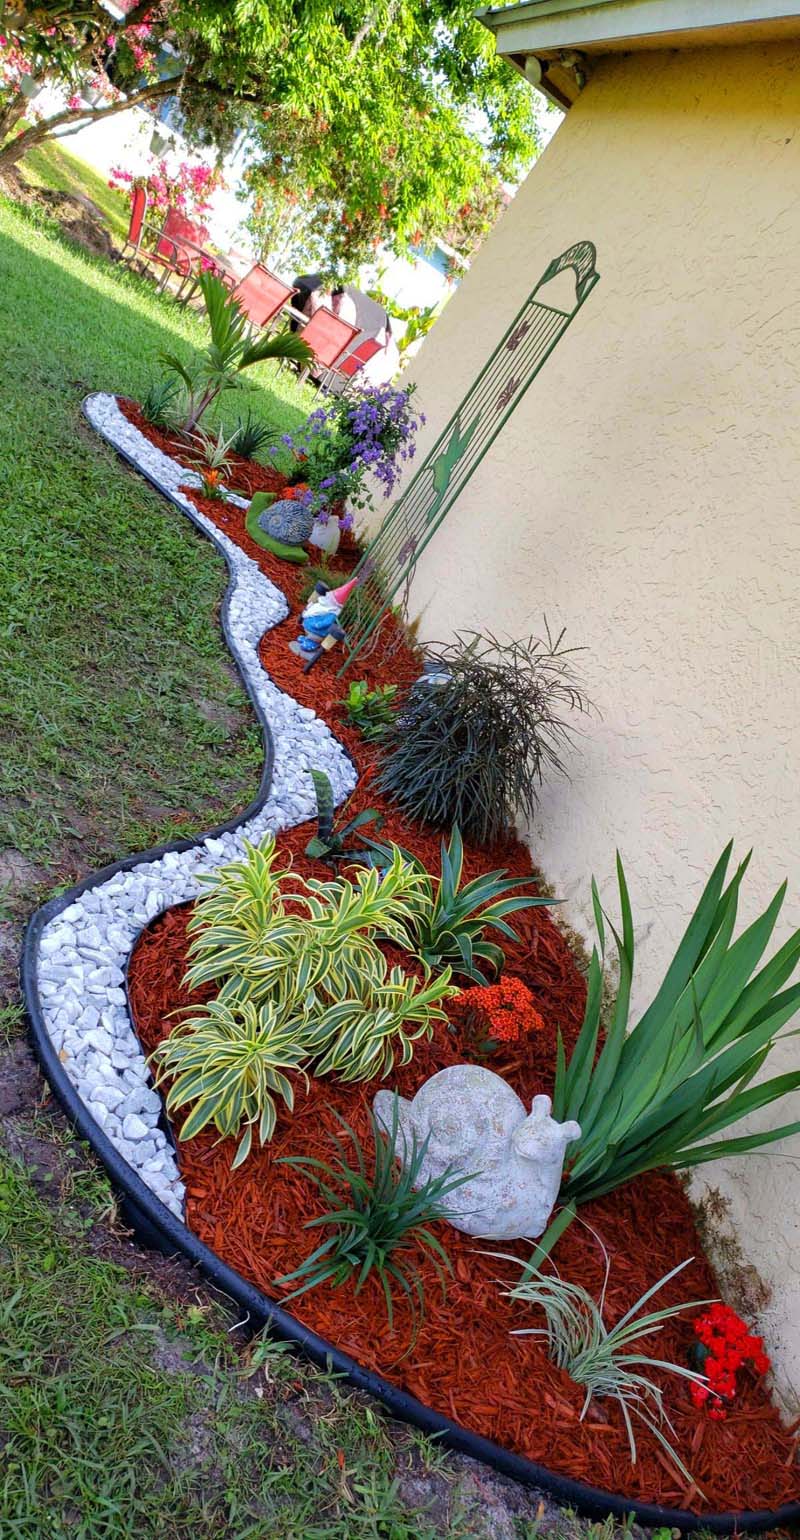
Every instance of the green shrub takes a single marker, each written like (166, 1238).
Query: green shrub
(375, 1217)
(371, 711)
(658, 1094)
(447, 923)
(306, 952)
(473, 750)
(230, 1062)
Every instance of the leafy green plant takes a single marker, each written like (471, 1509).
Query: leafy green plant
(308, 950)
(210, 457)
(329, 842)
(658, 1094)
(230, 1062)
(447, 923)
(159, 403)
(371, 711)
(229, 352)
(473, 749)
(252, 436)
(375, 1216)
(600, 1358)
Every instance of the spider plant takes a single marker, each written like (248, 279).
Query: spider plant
(329, 842)
(658, 1093)
(606, 1361)
(375, 1217)
(210, 457)
(371, 711)
(448, 923)
(231, 1062)
(474, 748)
(229, 352)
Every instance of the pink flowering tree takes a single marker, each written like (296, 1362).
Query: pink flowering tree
(186, 188)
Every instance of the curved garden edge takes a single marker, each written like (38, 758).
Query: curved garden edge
(155, 1225)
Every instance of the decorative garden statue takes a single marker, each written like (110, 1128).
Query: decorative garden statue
(320, 622)
(475, 1122)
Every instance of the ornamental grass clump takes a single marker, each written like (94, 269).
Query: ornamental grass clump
(657, 1094)
(377, 1217)
(473, 746)
(606, 1361)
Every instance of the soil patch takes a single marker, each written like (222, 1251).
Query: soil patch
(79, 217)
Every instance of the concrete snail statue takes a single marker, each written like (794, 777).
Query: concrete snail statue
(475, 1122)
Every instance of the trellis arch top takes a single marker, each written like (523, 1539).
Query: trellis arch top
(463, 442)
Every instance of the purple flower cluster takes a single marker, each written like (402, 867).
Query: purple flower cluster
(371, 432)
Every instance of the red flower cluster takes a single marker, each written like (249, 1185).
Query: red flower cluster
(506, 1010)
(723, 1347)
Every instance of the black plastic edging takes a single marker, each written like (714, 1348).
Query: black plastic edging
(156, 1226)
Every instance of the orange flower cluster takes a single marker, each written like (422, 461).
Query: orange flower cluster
(505, 1010)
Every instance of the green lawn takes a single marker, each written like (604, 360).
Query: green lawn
(53, 166)
(120, 716)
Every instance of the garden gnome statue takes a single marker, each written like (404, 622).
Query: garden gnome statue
(320, 622)
(475, 1123)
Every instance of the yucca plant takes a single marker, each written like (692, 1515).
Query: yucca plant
(229, 352)
(448, 923)
(231, 1063)
(604, 1360)
(376, 1216)
(659, 1093)
(329, 842)
(474, 748)
(371, 711)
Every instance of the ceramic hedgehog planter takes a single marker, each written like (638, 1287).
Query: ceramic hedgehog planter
(475, 1122)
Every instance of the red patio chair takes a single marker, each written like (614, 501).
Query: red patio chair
(136, 224)
(327, 337)
(179, 247)
(261, 295)
(348, 367)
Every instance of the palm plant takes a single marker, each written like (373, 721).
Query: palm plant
(658, 1095)
(599, 1358)
(329, 842)
(473, 748)
(375, 1216)
(231, 1063)
(229, 352)
(447, 923)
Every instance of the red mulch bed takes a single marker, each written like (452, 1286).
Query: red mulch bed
(464, 1361)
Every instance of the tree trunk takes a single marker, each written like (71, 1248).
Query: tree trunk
(11, 115)
(12, 153)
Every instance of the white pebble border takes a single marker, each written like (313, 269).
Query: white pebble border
(83, 951)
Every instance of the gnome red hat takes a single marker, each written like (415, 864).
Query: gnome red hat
(341, 595)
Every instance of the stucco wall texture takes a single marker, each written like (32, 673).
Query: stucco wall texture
(645, 495)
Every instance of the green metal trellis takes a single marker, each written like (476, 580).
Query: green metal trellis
(462, 444)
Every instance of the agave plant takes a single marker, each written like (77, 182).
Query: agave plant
(329, 842)
(448, 922)
(659, 1093)
(606, 1361)
(231, 1063)
(230, 350)
(375, 1217)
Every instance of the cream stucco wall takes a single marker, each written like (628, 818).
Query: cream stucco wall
(645, 494)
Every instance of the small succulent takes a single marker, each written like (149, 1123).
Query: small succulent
(329, 842)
